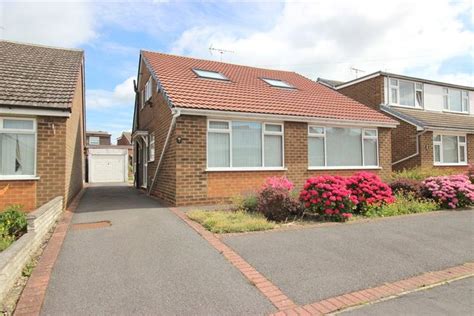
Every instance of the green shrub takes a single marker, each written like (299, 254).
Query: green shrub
(231, 222)
(406, 203)
(12, 225)
(422, 173)
(248, 203)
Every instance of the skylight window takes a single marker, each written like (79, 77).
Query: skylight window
(278, 83)
(210, 74)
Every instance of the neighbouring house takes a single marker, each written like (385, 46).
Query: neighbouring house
(205, 131)
(41, 124)
(436, 118)
(105, 162)
(95, 138)
(126, 140)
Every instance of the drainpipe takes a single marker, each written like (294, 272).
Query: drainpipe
(417, 149)
(176, 113)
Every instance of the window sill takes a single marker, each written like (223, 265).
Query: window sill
(18, 178)
(450, 164)
(346, 168)
(406, 106)
(247, 169)
(456, 112)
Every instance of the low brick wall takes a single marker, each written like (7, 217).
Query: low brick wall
(15, 257)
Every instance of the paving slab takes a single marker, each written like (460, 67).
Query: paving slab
(454, 298)
(147, 262)
(313, 264)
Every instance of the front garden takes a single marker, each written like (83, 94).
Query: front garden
(339, 199)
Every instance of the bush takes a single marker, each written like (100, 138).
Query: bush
(248, 203)
(230, 222)
(421, 174)
(329, 197)
(450, 191)
(369, 190)
(277, 204)
(12, 225)
(406, 186)
(406, 203)
(278, 183)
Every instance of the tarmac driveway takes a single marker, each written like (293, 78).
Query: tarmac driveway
(147, 262)
(316, 263)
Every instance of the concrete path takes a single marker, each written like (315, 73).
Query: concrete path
(147, 262)
(455, 298)
(313, 264)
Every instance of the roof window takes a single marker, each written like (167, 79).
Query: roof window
(210, 74)
(278, 83)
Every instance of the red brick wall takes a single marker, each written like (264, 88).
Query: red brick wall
(196, 186)
(18, 193)
(75, 167)
(369, 92)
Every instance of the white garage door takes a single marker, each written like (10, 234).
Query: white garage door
(107, 168)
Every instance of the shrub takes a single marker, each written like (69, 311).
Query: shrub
(369, 190)
(12, 225)
(230, 222)
(248, 203)
(406, 203)
(406, 186)
(278, 183)
(421, 174)
(450, 191)
(277, 204)
(329, 197)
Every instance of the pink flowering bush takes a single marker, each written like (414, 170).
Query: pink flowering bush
(279, 183)
(450, 191)
(369, 190)
(275, 201)
(329, 197)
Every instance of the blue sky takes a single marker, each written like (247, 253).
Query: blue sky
(315, 38)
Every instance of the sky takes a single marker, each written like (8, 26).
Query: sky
(428, 39)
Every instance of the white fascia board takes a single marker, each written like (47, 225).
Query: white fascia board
(33, 112)
(275, 117)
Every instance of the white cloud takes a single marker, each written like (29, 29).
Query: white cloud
(326, 38)
(122, 95)
(66, 24)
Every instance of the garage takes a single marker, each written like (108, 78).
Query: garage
(107, 165)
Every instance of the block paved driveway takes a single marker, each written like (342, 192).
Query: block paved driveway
(313, 264)
(148, 262)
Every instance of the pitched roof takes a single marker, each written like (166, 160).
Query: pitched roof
(39, 76)
(127, 135)
(433, 120)
(245, 91)
(329, 82)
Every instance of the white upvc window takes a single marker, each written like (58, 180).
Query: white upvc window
(142, 99)
(244, 145)
(449, 149)
(148, 89)
(406, 93)
(342, 147)
(455, 100)
(151, 147)
(94, 140)
(17, 148)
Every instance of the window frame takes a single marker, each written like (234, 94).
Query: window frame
(229, 132)
(440, 144)
(33, 131)
(285, 86)
(197, 70)
(415, 89)
(151, 147)
(148, 90)
(447, 100)
(362, 138)
(95, 137)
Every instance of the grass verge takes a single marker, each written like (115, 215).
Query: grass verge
(230, 222)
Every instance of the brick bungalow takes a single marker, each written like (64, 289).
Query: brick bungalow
(436, 118)
(205, 131)
(41, 124)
